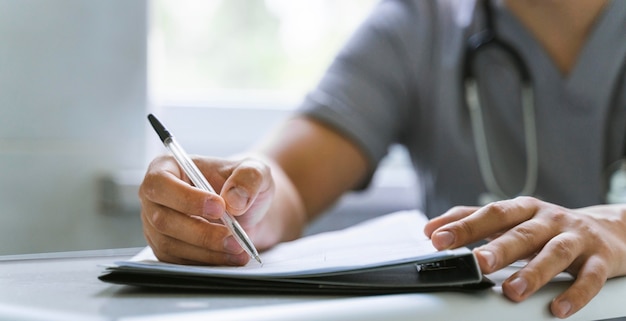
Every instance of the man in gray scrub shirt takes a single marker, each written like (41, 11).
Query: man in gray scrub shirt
(401, 80)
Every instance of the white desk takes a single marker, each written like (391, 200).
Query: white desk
(64, 286)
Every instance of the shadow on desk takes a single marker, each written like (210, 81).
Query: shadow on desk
(125, 301)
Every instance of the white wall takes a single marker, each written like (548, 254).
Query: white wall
(72, 106)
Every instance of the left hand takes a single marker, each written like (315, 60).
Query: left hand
(589, 243)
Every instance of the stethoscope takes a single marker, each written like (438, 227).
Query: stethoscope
(487, 38)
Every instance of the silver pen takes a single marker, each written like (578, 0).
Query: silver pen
(200, 182)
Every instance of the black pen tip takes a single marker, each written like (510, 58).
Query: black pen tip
(159, 128)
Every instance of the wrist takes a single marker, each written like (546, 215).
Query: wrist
(286, 217)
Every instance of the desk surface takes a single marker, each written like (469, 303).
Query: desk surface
(64, 286)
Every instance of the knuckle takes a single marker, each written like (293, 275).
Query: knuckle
(558, 216)
(466, 229)
(159, 220)
(190, 203)
(211, 237)
(207, 240)
(162, 248)
(497, 209)
(249, 177)
(251, 172)
(160, 255)
(147, 187)
(253, 176)
(563, 249)
(596, 276)
(525, 233)
(152, 182)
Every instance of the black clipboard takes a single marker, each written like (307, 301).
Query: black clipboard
(397, 264)
(457, 273)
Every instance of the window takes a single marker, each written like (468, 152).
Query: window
(245, 52)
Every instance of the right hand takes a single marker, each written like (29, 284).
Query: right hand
(181, 223)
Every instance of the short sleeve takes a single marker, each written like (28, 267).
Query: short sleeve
(366, 92)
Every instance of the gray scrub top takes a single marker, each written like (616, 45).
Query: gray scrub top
(398, 80)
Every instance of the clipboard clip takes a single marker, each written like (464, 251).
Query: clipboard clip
(434, 266)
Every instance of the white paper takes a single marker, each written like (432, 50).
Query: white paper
(390, 239)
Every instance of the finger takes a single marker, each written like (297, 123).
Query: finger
(193, 230)
(454, 214)
(247, 181)
(485, 222)
(556, 256)
(519, 242)
(161, 185)
(590, 279)
(168, 249)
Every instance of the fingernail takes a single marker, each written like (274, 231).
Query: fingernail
(444, 239)
(212, 209)
(519, 286)
(231, 245)
(489, 258)
(237, 198)
(563, 308)
(238, 259)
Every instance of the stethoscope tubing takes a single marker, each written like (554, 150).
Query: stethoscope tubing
(476, 43)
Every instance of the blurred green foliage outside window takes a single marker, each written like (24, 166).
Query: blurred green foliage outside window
(203, 48)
